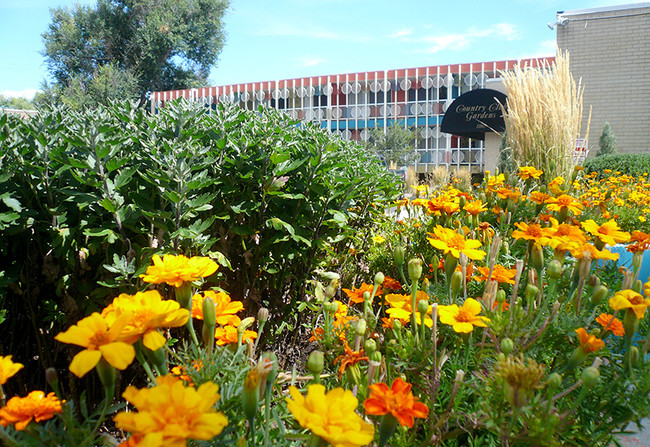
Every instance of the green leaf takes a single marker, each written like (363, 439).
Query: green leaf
(11, 202)
(108, 205)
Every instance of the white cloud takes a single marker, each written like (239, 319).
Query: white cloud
(401, 33)
(310, 62)
(27, 93)
(462, 41)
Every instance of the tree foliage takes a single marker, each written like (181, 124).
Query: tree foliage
(607, 141)
(396, 144)
(20, 103)
(126, 48)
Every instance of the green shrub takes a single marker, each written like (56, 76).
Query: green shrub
(87, 198)
(629, 164)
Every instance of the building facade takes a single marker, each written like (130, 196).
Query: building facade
(353, 104)
(610, 52)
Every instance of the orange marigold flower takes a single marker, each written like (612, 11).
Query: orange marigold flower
(175, 270)
(475, 207)
(391, 284)
(564, 202)
(35, 406)
(528, 172)
(226, 335)
(529, 232)
(613, 325)
(356, 295)
(8, 368)
(449, 241)
(640, 241)
(397, 400)
(499, 274)
(588, 342)
(349, 358)
(225, 309)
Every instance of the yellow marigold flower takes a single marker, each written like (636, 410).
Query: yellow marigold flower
(397, 400)
(609, 232)
(588, 250)
(528, 172)
(613, 325)
(226, 335)
(8, 368)
(175, 270)
(147, 312)
(629, 299)
(449, 241)
(499, 274)
(588, 342)
(451, 206)
(171, 413)
(36, 406)
(475, 207)
(564, 202)
(463, 319)
(378, 239)
(356, 295)
(554, 185)
(101, 340)
(331, 416)
(225, 308)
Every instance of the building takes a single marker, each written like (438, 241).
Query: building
(352, 104)
(610, 52)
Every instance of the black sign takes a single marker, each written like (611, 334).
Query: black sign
(474, 113)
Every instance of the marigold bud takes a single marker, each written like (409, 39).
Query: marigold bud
(245, 323)
(370, 346)
(501, 296)
(209, 312)
(462, 202)
(332, 288)
(531, 293)
(590, 376)
(267, 367)
(537, 257)
(316, 362)
(554, 380)
(262, 315)
(366, 296)
(423, 306)
(415, 269)
(361, 326)
(251, 394)
(599, 294)
(456, 282)
(379, 278)
(634, 355)
(398, 255)
(507, 346)
(594, 280)
(554, 269)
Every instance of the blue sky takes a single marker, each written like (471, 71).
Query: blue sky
(283, 39)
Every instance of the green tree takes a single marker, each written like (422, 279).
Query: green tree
(607, 141)
(396, 144)
(9, 102)
(126, 48)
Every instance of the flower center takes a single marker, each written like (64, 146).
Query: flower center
(463, 316)
(97, 340)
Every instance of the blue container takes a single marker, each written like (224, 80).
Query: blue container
(625, 260)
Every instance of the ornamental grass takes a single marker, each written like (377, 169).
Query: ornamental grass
(544, 116)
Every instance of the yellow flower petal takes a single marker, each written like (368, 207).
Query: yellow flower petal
(118, 354)
(153, 340)
(84, 362)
